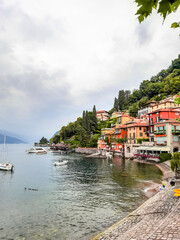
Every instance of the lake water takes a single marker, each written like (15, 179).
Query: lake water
(74, 201)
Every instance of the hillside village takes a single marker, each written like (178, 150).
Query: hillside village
(155, 130)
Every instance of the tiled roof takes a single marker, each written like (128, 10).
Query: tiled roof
(138, 125)
(102, 111)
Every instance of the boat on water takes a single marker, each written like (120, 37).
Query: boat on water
(60, 163)
(37, 150)
(4, 165)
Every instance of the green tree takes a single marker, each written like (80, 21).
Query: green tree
(121, 100)
(133, 110)
(87, 122)
(55, 139)
(175, 162)
(84, 120)
(93, 120)
(43, 140)
(163, 7)
(108, 141)
(115, 104)
(177, 100)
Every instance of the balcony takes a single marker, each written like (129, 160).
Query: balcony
(161, 143)
(176, 132)
(160, 132)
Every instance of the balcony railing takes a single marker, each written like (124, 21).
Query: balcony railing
(176, 132)
(161, 143)
(160, 132)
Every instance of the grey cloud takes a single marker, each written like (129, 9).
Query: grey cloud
(143, 34)
(30, 29)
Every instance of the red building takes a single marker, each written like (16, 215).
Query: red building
(160, 116)
(120, 132)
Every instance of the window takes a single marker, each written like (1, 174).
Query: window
(159, 140)
(151, 120)
(133, 135)
(139, 128)
(176, 138)
(134, 128)
(141, 134)
(151, 129)
(157, 119)
(134, 141)
(176, 113)
(130, 135)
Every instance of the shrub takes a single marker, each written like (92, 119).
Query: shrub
(140, 140)
(165, 156)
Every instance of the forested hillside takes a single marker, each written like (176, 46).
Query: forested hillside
(166, 82)
(85, 131)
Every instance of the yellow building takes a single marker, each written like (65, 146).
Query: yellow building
(124, 119)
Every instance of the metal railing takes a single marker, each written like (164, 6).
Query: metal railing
(160, 132)
(176, 132)
(161, 143)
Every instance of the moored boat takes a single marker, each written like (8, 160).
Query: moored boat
(60, 163)
(38, 150)
(4, 165)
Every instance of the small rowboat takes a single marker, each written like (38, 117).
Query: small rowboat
(60, 163)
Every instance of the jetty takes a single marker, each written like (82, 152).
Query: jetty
(158, 218)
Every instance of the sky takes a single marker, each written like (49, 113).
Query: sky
(60, 57)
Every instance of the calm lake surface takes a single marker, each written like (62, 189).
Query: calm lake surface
(74, 201)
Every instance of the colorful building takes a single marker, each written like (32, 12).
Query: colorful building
(136, 131)
(159, 116)
(120, 132)
(167, 133)
(124, 118)
(102, 115)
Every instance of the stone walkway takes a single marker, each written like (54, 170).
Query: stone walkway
(158, 218)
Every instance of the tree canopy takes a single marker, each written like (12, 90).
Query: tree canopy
(163, 7)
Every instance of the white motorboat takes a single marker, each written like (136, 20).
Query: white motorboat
(38, 150)
(60, 163)
(4, 165)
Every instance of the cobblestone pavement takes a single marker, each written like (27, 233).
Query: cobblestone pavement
(157, 219)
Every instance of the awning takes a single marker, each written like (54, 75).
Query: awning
(153, 148)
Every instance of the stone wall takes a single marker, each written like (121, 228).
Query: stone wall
(87, 150)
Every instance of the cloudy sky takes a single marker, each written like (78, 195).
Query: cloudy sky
(60, 57)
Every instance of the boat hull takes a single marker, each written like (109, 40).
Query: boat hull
(6, 167)
(60, 163)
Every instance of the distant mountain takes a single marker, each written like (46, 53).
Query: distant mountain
(11, 138)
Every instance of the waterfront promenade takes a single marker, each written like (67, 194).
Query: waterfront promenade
(158, 218)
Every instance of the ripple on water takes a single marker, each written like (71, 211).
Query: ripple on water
(72, 200)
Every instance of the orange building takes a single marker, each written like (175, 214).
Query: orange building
(137, 130)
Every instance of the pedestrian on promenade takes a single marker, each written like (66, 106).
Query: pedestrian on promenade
(160, 187)
(163, 185)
